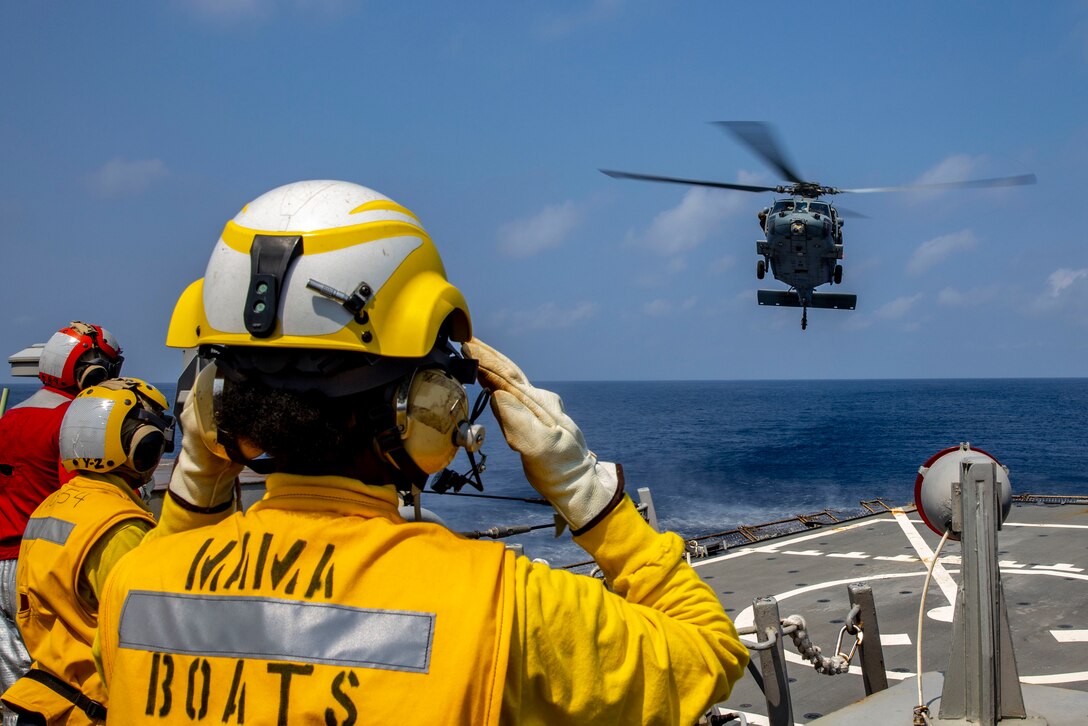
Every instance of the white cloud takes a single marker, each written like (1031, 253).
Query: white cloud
(699, 215)
(953, 297)
(1063, 295)
(548, 316)
(657, 308)
(1057, 293)
(597, 11)
(937, 249)
(720, 265)
(897, 308)
(1063, 278)
(955, 168)
(547, 228)
(661, 307)
(676, 264)
(119, 177)
(226, 12)
(857, 321)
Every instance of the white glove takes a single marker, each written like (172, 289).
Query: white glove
(203, 477)
(553, 450)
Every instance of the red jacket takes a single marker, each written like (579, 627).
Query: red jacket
(30, 468)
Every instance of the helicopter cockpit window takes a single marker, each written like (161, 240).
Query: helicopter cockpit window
(783, 206)
(820, 208)
(801, 206)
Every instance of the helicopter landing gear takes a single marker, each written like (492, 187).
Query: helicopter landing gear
(838, 274)
(804, 318)
(761, 269)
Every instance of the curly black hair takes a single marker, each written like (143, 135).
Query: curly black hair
(305, 433)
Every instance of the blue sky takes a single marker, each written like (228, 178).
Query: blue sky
(131, 131)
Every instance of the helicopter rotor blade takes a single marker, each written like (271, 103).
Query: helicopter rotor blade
(760, 138)
(1003, 181)
(689, 182)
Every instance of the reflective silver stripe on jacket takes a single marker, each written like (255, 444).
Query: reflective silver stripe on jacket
(50, 529)
(274, 629)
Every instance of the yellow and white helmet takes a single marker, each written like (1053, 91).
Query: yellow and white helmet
(322, 265)
(333, 287)
(119, 425)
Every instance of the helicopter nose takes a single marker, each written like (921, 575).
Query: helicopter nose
(797, 227)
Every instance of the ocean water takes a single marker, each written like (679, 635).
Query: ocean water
(718, 454)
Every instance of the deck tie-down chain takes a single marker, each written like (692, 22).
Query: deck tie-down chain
(795, 627)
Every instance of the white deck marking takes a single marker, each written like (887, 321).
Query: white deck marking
(925, 554)
(1056, 678)
(732, 555)
(1053, 526)
(897, 558)
(1060, 567)
(1070, 636)
(1030, 524)
(806, 553)
(850, 555)
(746, 618)
(757, 719)
(894, 639)
(1009, 563)
(944, 614)
(773, 548)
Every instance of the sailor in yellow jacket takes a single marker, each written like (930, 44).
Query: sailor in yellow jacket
(112, 435)
(331, 324)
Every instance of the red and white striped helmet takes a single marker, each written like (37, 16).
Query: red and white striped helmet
(79, 355)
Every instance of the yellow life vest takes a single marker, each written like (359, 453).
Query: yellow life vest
(57, 626)
(318, 605)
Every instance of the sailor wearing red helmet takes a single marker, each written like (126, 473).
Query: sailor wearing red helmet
(78, 355)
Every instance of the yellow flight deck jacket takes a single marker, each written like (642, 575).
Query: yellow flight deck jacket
(71, 541)
(321, 604)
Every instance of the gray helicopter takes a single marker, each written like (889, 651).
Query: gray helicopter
(803, 234)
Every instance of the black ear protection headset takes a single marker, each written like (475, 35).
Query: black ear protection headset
(93, 368)
(424, 419)
(145, 437)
